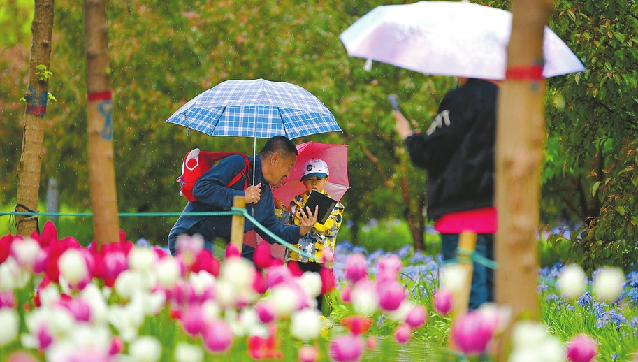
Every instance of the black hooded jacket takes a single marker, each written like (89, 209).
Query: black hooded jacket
(458, 150)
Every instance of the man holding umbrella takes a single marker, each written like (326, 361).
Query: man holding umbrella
(271, 166)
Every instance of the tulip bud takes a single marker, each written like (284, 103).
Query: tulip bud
(356, 267)
(310, 283)
(145, 349)
(10, 325)
(217, 337)
(346, 348)
(307, 354)
(443, 301)
(142, 259)
(403, 333)
(167, 272)
(581, 349)
(305, 324)
(364, 297)
(73, 266)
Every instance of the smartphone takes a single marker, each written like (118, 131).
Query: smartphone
(394, 101)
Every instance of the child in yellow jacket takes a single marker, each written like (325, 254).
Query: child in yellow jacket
(315, 177)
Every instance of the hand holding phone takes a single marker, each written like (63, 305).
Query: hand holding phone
(394, 101)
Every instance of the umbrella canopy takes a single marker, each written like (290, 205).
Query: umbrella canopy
(449, 38)
(256, 108)
(336, 156)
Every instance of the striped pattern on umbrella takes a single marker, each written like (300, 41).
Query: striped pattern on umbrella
(256, 108)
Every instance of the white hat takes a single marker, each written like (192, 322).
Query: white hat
(315, 167)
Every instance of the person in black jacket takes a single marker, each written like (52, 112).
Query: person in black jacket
(458, 153)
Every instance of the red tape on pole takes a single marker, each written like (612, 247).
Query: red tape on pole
(530, 73)
(99, 96)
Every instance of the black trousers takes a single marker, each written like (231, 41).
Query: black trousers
(313, 268)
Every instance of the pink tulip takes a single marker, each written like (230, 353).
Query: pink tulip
(262, 257)
(388, 267)
(327, 280)
(45, 338)
(327, 255)
(41, 262)
(218, 337)
(346, 348)
(276, 275)
(259, 283)
(345, 294)
(307, 354)
(403, 333)
(265, 311)
(114, 263)
(232, 251)
(391, 295)
(471, 333)
(116, 347)
(443, 301)
(192, 321)
(79, 309)
(416, 316)
(356, 267)
(7, 299)
(371, 343)
(581, 348)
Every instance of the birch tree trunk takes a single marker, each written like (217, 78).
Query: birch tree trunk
(37, 96)
(520, 139)
(100, 124)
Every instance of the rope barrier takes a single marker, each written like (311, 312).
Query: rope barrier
(232, 211)
(474, 256)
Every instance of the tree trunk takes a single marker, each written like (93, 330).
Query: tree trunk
(519, 154)
(37, 96)
(414, 220)
(100, 124)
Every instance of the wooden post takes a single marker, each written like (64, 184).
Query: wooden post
(467, 244)
(100, 124)
(237, 226)
(37, 96)
(519, 148)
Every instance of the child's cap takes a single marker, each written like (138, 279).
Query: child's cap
(315, 167)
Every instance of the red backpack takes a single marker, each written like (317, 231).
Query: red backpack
(197, 162)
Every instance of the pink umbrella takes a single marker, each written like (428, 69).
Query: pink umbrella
(336, 156)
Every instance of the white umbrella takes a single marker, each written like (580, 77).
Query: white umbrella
(449, 38)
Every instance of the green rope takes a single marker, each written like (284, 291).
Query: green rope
(474, 257)
(232, 211)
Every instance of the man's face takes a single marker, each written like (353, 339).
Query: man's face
(278, 168)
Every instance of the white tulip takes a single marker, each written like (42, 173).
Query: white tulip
(572, 281)
(364, 299)
(61, 322)
(305, 324)
(528, 335)
(453, 277)
(49, 295)
(167, 272)
(188, 353)
(145, 349)
(7, 279)
(142, 259)
(310, 283)
(210, 311)
(500, 315)
(10, 323)
(201, 281)
(401, 313)
(127, 283)
(249, 319)
(285, 300)
(73, 266)
(225, 294)
(552, 350)
(608, 284)
(239, 272)
(524, 355)
(99, 308)
(25, 252)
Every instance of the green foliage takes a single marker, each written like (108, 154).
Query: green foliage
(42, 73)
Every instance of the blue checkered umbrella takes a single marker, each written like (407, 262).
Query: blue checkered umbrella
(256, 108)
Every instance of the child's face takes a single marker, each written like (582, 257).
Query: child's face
(315, 183)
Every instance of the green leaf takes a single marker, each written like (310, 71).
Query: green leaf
(595, 188)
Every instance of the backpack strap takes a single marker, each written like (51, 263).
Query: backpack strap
(241, 174)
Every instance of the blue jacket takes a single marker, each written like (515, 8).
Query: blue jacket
(213, 195)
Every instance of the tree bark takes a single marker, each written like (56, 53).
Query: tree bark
(37, 96)
(100, 124)
(520, 139)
